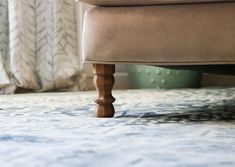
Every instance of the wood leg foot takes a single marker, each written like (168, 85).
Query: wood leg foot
(104, 82)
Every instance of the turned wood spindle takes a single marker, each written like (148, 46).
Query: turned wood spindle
(104, 82)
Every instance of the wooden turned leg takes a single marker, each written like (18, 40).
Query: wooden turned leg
(104, 81)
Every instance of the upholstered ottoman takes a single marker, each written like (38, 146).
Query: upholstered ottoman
(187, 34)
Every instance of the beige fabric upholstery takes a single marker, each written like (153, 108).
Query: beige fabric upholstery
(161, 35)
(144, 2)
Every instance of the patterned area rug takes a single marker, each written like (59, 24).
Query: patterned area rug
(191, 128)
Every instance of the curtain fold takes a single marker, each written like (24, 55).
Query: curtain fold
(38, 46)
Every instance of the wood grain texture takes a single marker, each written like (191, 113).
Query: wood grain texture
(104, 82)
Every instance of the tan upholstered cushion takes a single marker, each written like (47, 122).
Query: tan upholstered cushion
(165, 34)
(144, 2)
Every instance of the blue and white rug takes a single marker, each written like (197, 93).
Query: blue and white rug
(174, 128)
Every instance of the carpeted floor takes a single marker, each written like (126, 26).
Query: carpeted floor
(183, 128)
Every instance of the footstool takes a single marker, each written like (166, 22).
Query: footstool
(182, 34)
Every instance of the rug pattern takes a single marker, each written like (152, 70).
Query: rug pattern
(164, 128)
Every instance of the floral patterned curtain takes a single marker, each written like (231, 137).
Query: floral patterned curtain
(38, 46)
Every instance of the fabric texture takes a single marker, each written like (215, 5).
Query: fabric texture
(189, 34)
(151, 128)
(38, 46)
(145, 2)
